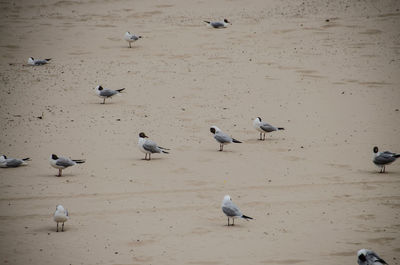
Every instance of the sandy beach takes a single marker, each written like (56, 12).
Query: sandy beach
(326, 71)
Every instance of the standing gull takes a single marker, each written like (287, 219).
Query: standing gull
(231, 210)
(149, 147)
(62, 162)
(381, 159)
(218, 24)
(60, 216)
(32, 61)
(12, 162)
(264, 127)
(131, 38)
(222, 138)
(368, 257)
(107, 93)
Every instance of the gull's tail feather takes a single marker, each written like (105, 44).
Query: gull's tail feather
(397, 155)
(236, 141)
(120, 90)
(281, 128)
(79, 161)
(208, 22)
(26, 159)
(246, 217)
(47, 59)
(165, 152)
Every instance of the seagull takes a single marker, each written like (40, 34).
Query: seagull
(218, 24)
(368, 257)
(61, 163)
(32, 61)
(231, 210)
(381, 159)
(222, 138)
(149, 147)
(12, 162)
(107, 93)
(131, 38)
(264, 127)
(60, 216)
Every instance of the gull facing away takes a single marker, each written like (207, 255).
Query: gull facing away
(264, 127)
(149, 147)
(62, 162)
(60, 216)
(218, 24)
(32, 61)
(12, 162)
(107, 93)
(231, 210)
(368, 257)
(131, 38)
(381, 159)
(222, 138)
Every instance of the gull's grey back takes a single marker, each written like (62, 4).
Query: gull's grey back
(267, 127)
(151, 146)
(384, 158)
(12, 162)
(108, 92)
(230, 209)
(217, 24)
(64, 162)
(222, 137)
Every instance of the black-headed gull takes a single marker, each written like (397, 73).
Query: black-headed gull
(149, 147)
(368, 257)
(381, 159)
(222, 138)
(218, 24)
(107, 93)
(12, 162)
(32, 61)
(131, 38)
(60, 216)
(231, 210)
(264, 127)
(62, 162)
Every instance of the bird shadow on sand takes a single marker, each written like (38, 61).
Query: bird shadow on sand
(258, 141)
(67, 175)
(52, 229)
(377, 173)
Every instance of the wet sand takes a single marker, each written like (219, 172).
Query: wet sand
(327, 72)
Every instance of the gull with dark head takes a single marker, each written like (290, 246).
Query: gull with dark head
(62, 163)
(381, 159)
(222, 138)
(131, 38)
(368, 257)
(107, 93)
(12, 162)
(264, 127)
(149, 147)
(32, 61)
(231, 210)
(60, 216)
(218, 24)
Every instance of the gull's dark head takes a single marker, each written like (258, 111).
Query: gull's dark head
(212, 130)
(376, 149)
(142, 135)
(361, 254)
(99, 88)
(4, 156)
(259, 119)
(54, 157)
(226, 21)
